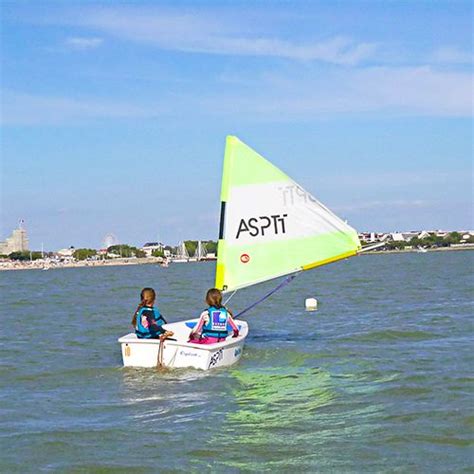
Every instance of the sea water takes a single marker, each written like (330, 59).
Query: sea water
(379, 379)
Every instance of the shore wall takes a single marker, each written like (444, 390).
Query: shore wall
(41, 265)
(438, 249)
(48, 265)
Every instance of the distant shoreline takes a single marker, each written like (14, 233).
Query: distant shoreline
(7, 266)
(438, 249)
(81, 264)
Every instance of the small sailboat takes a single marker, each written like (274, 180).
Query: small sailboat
(176, 352)
(182, 255)
(201, 251)
(270, 227)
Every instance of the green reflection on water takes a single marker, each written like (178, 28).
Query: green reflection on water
(278, 397)
(274, 409)
(294, 416)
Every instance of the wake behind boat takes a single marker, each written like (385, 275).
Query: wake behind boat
(177, 352)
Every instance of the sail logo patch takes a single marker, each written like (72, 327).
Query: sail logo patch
(244, 258)
(263, 225)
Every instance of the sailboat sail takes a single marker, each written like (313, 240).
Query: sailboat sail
(270, 226)
(200, 251)
(182, 250)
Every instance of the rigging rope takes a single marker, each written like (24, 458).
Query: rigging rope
(161, 348)
(160, 352)
(285, 282)
(230, 297)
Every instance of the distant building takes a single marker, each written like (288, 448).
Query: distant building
(69, 252)
(423, 234)
(397, 237)
(368, 236)
(150, 247)
(411, 234)
(66, 254)
(18, 242)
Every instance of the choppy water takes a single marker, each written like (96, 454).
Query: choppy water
(379, 379)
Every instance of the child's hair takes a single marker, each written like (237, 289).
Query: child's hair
(147, 297)
(214, 298)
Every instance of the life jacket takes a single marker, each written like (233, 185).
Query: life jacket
(149, 332)
(217, 324)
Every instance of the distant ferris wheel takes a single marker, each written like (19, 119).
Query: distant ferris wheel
(109, 240)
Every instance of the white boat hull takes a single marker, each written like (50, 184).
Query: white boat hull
(180, 353)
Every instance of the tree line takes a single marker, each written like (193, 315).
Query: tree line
(129, 251)
(121, 250)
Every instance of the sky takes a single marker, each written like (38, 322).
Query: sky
(114, 114)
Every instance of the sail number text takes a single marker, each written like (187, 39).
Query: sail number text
(259, 225)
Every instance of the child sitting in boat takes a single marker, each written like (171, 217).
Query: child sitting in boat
(147, 320)
(212, 324)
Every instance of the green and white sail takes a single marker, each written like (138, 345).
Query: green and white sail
(270, 226)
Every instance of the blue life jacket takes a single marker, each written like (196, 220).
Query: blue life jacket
(217, 324)
(155, 329)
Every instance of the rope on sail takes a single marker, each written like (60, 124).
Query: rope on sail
(285, 282)
(230, 297)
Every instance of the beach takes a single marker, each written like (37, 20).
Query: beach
(50, 265)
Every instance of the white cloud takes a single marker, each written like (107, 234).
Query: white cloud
(420, 90)
(306, 93)
(28, 109)
(337, 50)
(298, 94)
(383, 204)
(408, 179)
(216, 34)
(82, 43)
(452, 55)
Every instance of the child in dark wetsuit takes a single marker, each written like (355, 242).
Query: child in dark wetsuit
(147, 320)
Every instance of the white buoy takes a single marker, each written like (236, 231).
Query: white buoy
(311, 304)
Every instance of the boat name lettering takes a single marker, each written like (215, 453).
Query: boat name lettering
(258, 225)
(237, 351)
(219, 355)
(189, 354)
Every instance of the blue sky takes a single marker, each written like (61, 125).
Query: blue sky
(114, 114)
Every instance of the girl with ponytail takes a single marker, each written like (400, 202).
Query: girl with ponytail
(147, 320)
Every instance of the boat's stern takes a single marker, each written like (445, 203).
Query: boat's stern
(178, 352)
(139, 352)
